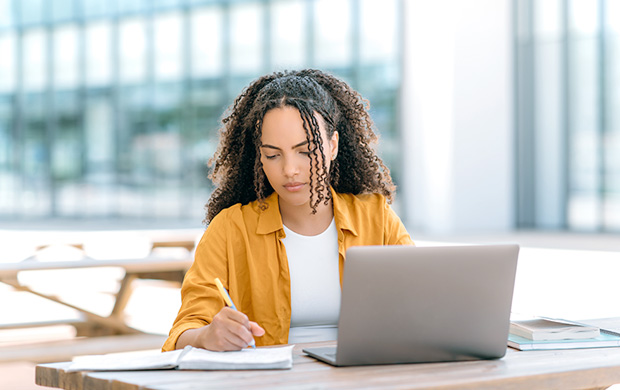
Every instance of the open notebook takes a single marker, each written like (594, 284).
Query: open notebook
(189, 358)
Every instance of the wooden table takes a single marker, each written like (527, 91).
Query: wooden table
(567, 369)
(149, 267)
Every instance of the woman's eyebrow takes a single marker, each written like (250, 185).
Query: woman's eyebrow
(277, 148)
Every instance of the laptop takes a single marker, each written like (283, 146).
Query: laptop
(407, 304)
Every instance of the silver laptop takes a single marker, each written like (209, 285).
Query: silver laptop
(406, 304)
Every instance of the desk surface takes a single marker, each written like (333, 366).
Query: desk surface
(566, 369)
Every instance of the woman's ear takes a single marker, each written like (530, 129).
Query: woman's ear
(333, 144)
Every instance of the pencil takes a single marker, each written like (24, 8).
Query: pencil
(229, 301)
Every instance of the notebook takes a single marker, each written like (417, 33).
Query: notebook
(406, 304)
(189, 358)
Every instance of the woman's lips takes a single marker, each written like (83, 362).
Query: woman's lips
(294, 187)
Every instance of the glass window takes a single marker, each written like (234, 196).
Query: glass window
(378, 36)
(66, 70)
(333, 43)
(132, 45)
(584, 147)
(101, 193)
(8, 66)
(141, 150)
(163, 151)
(611, 141)
(246, 38)
(163, 4)
(567, 106)
(611, 218)
(6, 13)
(132, 6)
(8, 173)
(30, 11)
(6, 114)
(523, 22)
(96, 8)
(288, 34)
(168, 47)
(35, 57)
(133, 172)
(207, 42)
(66, 154)
(98, 121)
(548, 132)
(36, 195)
(613, 17)
(63, 10)
(548, 19)
(98, 47)
(583, 16)
(207, 105)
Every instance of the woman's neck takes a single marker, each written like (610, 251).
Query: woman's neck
(301, 220)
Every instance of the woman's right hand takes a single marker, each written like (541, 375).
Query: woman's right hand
(230, 330)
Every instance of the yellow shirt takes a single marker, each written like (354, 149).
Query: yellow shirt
(242, 247)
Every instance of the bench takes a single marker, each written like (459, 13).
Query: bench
(153, 266)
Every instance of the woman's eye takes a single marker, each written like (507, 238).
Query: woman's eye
(270, 157)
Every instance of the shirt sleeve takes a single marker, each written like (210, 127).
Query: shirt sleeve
(200, 299)
(394, 231)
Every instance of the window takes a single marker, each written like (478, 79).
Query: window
(111, 109)
(98, 50)
(207, 42)
(567, 105)
(8, 65)
(246, 39)
(333, 35)
(35, 75)
(132, 51)
(6, 14)
(288, 36)
(168, 44)
(63, 10)
(30, 11)
(66, 70)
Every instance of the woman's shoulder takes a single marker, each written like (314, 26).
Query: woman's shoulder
(361, 205)
(369, 200)
(236, 211)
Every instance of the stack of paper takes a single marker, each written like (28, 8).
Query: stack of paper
(543, 333)
(546, 329)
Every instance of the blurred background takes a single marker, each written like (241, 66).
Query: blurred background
(499, 119)
(109, 110)
(510, 110)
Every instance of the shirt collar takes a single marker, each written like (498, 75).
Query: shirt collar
(270, 220)
(342, 212)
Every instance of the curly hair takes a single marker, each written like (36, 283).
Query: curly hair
(236, 167)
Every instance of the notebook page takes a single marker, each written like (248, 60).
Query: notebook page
(123, 361)
(246, 359)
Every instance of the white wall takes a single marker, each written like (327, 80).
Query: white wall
(457, 116)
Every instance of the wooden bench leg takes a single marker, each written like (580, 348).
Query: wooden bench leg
(122, 296)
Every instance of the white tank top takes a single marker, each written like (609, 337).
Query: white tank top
(315, 285)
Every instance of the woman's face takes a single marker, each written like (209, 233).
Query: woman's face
(286, 154)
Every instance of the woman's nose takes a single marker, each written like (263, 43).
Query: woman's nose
(290, 167)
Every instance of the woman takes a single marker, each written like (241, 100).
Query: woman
(297, 184)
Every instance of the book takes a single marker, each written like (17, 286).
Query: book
(605, 339)
(540, 329)
(189, 358)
